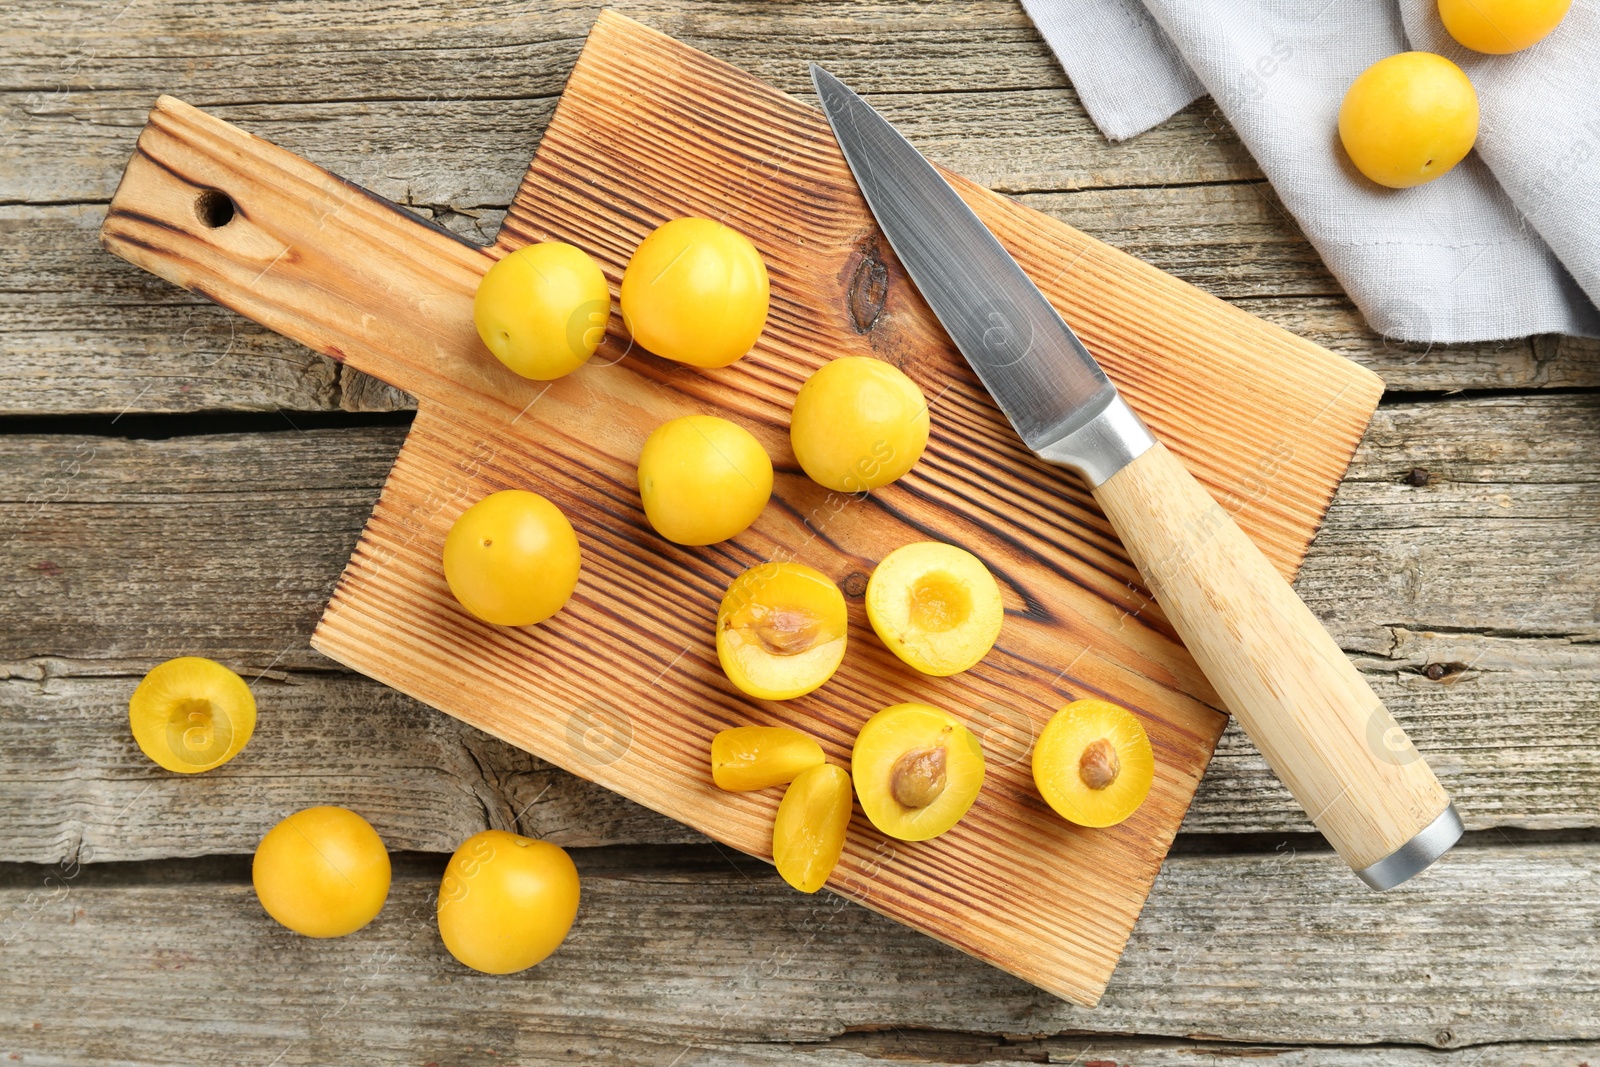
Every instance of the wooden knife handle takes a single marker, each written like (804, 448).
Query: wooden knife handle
(1315, 719)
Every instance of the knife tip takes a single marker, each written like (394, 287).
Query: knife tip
(832, 93)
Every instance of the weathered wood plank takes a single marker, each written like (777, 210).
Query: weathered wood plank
(513, 49)
(855, 1048)
(1493, 945)
(1500, 539)
(82, 331)
(463, 77)
(1544, 362)
(76, 145)
(72, 781)
(228, 546)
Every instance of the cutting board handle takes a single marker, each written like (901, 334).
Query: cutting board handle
(1299, 698)
(300, 250)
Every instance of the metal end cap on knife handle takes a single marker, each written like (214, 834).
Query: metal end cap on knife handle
(1416, 855)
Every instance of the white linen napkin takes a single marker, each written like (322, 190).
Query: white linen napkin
(1472, 256)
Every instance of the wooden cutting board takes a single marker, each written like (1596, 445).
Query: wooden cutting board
(623, 686)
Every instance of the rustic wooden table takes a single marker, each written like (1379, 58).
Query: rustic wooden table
(178, 481)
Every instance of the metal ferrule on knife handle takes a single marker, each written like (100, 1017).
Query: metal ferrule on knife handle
(1315, 719)
(1109, 441)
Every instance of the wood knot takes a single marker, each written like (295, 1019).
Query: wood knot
(869, 287)
(854, 584)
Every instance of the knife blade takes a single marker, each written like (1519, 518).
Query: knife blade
(1034, 366)
(1312, 715)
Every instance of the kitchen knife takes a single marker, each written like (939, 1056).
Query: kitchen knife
(1317, 722)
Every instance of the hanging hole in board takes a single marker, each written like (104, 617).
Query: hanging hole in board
(214, 208)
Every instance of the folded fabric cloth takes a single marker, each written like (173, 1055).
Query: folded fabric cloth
(1505, 245)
